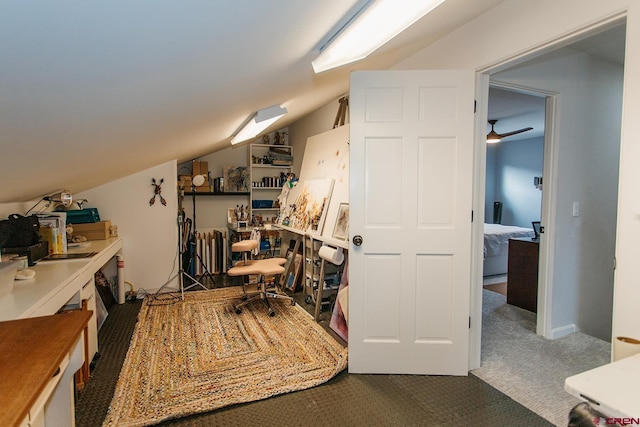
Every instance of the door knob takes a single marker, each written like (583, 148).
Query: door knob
(357, 240)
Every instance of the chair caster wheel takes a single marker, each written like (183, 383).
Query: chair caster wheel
(238, 310)
(293, 302)
(272, 313)
(308, 299)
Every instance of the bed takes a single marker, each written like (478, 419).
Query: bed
(496, 246)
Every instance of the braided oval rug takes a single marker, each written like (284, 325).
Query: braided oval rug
(198, 355)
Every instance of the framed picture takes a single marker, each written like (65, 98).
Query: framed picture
(341, 229)
(293, 277)
(236, 179)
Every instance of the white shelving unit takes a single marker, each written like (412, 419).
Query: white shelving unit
(312, 279)
(266, 177)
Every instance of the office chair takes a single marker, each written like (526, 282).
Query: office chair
(262, 267)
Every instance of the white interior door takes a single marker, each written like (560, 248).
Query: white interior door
(411, 164)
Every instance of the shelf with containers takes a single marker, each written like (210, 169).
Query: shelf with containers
(269, 166)
(331, 276)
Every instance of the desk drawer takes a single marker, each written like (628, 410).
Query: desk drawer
(36, 413)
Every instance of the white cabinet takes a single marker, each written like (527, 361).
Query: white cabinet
(269, 165)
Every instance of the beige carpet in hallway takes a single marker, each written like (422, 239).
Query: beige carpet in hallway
(529, 368)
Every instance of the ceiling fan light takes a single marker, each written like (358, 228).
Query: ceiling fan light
(492, 137)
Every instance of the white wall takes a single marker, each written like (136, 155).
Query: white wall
(516, 163)
(7, 209)
(472, 47)
(588, 129)
(149, 233)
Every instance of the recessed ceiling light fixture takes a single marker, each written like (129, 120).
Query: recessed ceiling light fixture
(368, 27)
(258, 122)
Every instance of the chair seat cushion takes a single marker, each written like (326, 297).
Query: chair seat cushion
(265, 267)
(279, 261)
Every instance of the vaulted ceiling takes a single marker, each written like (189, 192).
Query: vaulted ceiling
(94, 91)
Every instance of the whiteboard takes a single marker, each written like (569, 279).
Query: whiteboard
(327, 156)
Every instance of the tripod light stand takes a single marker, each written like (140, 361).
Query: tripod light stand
(186, 241)
(197, 181)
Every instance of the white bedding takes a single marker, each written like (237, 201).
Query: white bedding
(496, 238)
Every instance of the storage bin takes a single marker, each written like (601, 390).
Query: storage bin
(261, 204)
(83, 216)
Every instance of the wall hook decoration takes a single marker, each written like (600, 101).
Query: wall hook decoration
(157, 192)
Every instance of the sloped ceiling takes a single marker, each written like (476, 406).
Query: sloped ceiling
(94, 91)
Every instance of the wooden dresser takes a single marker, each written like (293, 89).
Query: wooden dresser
(522, 280)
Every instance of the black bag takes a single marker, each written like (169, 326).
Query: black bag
(19, 231)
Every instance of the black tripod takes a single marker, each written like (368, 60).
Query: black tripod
(186, 246)
(192, 254)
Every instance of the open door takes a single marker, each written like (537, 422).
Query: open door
(411, 169)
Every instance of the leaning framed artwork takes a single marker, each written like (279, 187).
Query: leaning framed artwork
(294, 274)
(341, 229)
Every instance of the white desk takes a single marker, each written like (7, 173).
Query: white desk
(611, 389)
(56, 282)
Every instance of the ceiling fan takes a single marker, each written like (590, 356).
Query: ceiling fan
(493, 136)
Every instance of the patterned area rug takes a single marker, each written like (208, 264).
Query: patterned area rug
(199, 355)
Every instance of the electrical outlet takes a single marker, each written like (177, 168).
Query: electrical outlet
(576, 209)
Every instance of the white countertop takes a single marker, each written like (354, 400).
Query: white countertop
(613, 389)
(55, 282)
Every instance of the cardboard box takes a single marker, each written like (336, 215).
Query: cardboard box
(200, 168)
(93, 231)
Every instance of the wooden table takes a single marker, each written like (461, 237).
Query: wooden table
(31, 352)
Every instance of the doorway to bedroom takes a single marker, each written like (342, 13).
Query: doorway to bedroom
(513, 191)
(576, 201)
(583, 85)
(580, 86)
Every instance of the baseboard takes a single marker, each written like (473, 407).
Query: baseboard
(562, 331)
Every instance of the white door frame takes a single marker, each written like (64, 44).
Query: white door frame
(544, 319)
(548, 208)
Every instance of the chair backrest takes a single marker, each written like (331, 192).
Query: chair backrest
(244, 245)
(536, 229)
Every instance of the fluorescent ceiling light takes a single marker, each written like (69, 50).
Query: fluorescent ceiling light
(371, 27)
(259, 122)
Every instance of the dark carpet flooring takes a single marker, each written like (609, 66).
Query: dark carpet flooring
(346, 400)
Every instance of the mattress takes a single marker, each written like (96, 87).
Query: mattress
(496, 238)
